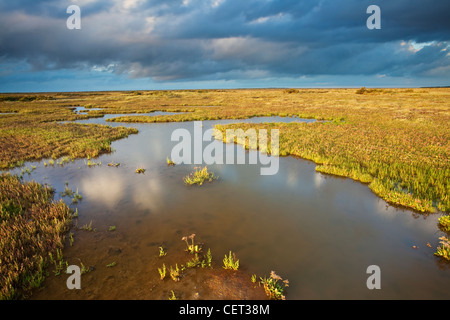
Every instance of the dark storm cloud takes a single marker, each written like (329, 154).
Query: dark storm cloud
(193, 39)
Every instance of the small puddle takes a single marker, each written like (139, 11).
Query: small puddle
(84, 110)
(150, 114)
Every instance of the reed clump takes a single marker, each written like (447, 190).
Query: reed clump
(199, 176)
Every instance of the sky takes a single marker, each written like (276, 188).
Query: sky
(209, 44)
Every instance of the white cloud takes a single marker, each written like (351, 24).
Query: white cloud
(252, 50)
(84, 2)
(216, 3)
(109, 68)
(265, 19)
(150, 24)
(106, 188)
(130, 4)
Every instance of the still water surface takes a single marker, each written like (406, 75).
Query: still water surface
(318, 231)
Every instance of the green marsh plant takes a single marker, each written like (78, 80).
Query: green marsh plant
(140, 170)
(162, 271)
(175, 273)
(199, 176)
(443, 250)
(32, 234)
(191, 248)
(207, 262)
(230, 262)
(59, 262)
(88, 227)
(92, 163)
(173, 297)
(84, 270)
(113, 164)
(76, 196)
(444, 223)
(170, 162)
(71, 240)
(274, 286)
(162, 253)
(196, 261)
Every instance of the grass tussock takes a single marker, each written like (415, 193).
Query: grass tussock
(199, 176)
(32, 229)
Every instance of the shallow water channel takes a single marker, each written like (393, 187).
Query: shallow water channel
(320, 232)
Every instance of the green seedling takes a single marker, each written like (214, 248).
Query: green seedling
(59, 262)
(88, 227)
(161, 252)
(71, 240)
(162, 272)
(84, 270)
(175, 273)
(170, 162)
(230, 262)
(173, 297)
(207, 262)
(113, 164)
